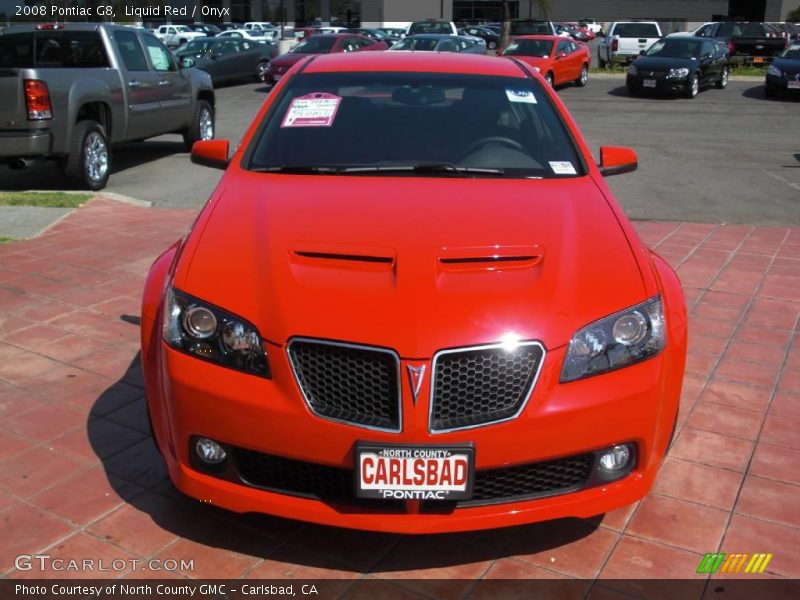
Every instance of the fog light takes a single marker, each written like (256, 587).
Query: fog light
(209, 451)
(616, 458)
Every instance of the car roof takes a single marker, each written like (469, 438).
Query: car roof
(409, 62)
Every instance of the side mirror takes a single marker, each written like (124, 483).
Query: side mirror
(211, 153)
(641, 52)
(187, 63)
(615, 160)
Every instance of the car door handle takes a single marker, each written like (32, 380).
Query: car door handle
(133, 83)
(163, 82)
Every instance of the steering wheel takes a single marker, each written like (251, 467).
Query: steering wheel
(494, 139)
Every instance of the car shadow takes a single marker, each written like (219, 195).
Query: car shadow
(758, 93)
(137, 474)
(46, 175)
(622, 92)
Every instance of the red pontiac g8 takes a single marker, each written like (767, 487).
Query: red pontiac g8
(413, 305)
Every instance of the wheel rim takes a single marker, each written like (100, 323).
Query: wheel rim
(695, 86)
(262, 71)
(584, 75)
(206, 125)
(724, 77)
(96, 153)
(549, 79)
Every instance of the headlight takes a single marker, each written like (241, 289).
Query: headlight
(632, 70)
(681, 73)
(212, 334)
(774, 71)
(616, 341)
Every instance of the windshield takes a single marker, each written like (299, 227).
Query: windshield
(792, 52)
(69, 49)
(392, 123)
(315, 45)
(430, 27)
(742, 30)
(529, 48)
(197, 47)
(671, 48)
(419, 44)
(182, 29)
(636, 30)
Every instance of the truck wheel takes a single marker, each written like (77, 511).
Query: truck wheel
(261, 71)
(89, 159)
(202, 127)
(600, 62)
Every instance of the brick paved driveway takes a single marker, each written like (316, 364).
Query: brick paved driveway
(79, 476)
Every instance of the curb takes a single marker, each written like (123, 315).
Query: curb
(125, 199)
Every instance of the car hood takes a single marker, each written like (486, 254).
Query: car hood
(792, 65)
(659, 63)
(390, 261)
(536, 61)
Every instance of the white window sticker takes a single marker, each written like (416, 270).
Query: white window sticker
(312, 110)
(158, 58)
(563, 168)
(525, 96)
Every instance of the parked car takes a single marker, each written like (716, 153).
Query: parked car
(320, 44)
(432, 26)
(592, 25)
(209, 29)
(490, 38)
(70, 91)
(259, 25)
(251, 35)
(679, 65)
(783, 75)
(519, 27)
(319, 347)
(174, 36)
(374, 34)
(437, 42)
(572, 31)
(228, 59)
(624, 41)
(746, 41)
(558, 60)
(394, 33)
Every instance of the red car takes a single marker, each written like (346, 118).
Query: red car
(320, 44)
(559, 60)
(455, 330)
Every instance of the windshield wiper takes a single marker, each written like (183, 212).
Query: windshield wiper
(299, 170)
(426, 168)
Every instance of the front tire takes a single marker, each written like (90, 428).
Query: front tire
(600, 62)
(694, 86)
(202, 127)
(722, 82)
(549, 79)
(583, 78)
(89, 161)
(261, 71)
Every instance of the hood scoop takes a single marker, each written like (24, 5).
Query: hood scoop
(344, 256)
(490, 258)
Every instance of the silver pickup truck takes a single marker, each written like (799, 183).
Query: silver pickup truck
(68, 92)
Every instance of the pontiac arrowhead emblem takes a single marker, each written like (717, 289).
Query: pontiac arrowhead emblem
(415, 377)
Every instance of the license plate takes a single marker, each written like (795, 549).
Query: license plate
(414, 472)
(649, 83)
(758, 59)
(793, 85)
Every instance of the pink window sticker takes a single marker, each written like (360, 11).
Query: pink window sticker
(312, 110)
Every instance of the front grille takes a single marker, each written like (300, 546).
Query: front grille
(354, 384)
(476, 386)
(337, 485)
(299, 478)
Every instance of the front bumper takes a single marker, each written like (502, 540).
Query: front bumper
(14, 144)
(663, 86)
(782, 83)
(636, 405)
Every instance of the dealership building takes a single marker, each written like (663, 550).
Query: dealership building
(403, 11)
